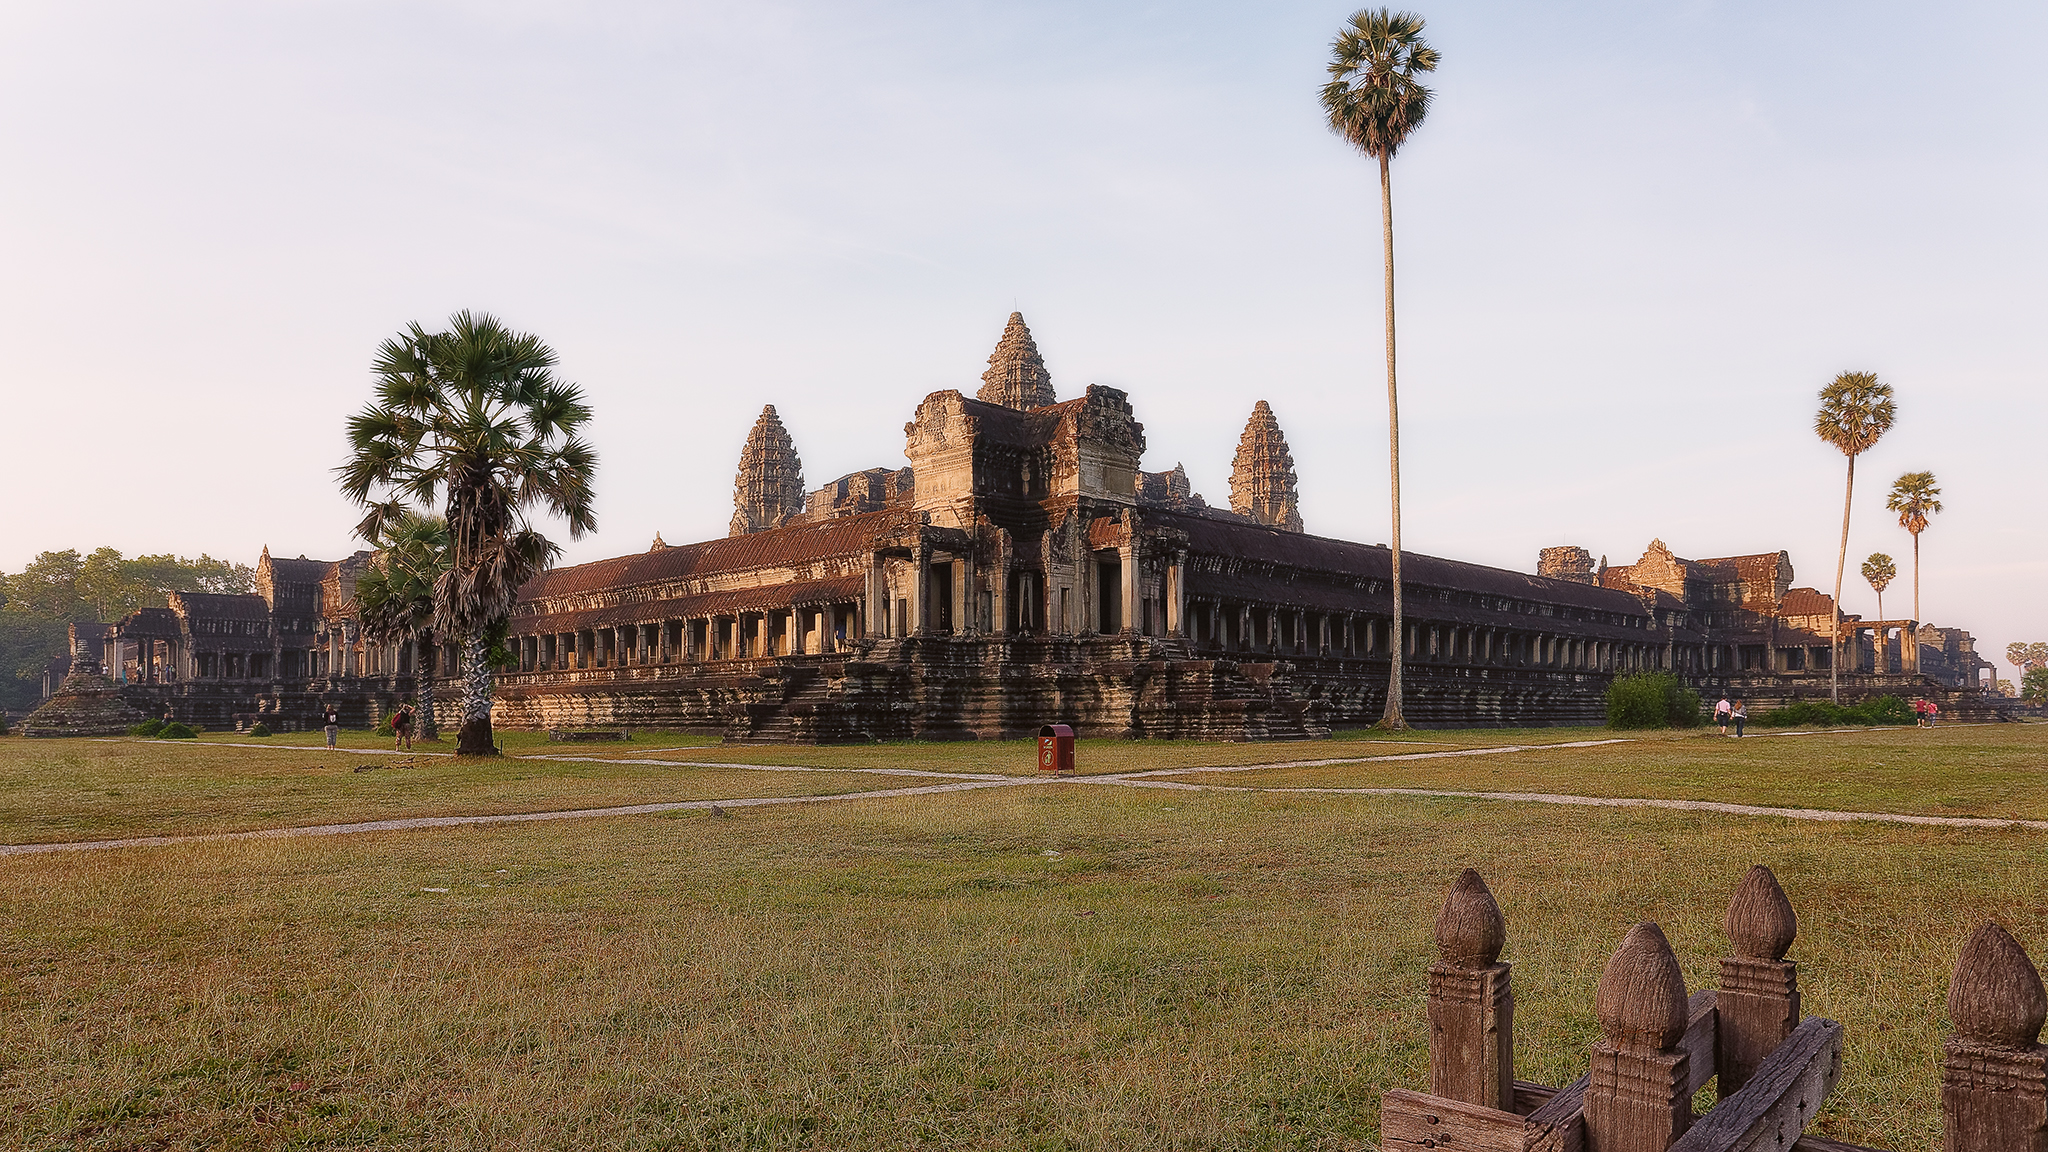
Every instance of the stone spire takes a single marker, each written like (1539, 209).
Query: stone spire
(1262, 477)
(770, 487)
(1016, 376)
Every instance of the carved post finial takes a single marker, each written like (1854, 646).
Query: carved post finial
(1638, 1096)
(1471, 1000)
(1761, 923)
(1641, 997)
(1996, 998)
(1758, 1001)
(1994, 1074)
(1470, 931)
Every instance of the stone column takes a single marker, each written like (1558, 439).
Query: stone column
(1128, 554)
(921, 590)
(1177, 596)
(966, 603)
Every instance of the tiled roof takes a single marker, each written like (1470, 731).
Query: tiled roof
(222, 606)
(304, 571)
(1761, 566)
(1807, 602)
(151, 624)
(1241, 540)
(792, 544)
(838, 590)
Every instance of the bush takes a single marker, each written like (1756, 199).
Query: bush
(147, 728)
(1651, 700)
(261, 729)
(1824, 713)
(177, 732)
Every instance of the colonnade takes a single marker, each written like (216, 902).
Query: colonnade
(804, 629)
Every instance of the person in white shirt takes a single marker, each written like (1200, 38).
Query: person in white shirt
(1721, 712)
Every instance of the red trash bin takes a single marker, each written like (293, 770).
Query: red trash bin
(1056, 748)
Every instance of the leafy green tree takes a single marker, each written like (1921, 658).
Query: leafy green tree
(1915, 497)
(57, 588)
(1880, 571)
(2034, 685)
(1856, 409)
(395, 596)
(1375, 101)
(473, 420)
(2028, 658)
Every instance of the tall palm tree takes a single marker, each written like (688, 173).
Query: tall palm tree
(1855, 410)
(1879, 570)
(1915, 497)
(473, 420)
(1375, 101)
(395, 597)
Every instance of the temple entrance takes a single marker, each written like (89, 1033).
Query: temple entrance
(1109, 594)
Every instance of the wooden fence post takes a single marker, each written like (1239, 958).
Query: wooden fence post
(1994, 1071)
(1471, 1003)
(1638, 1098)
(1759, 996)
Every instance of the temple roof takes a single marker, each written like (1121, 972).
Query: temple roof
(1235, 539)
(775, 547)
(221, 605)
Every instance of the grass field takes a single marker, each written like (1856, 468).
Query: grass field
(1039, 967)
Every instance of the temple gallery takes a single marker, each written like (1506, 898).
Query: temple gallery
(1024, 568)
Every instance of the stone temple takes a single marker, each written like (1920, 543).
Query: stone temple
(1023, 569)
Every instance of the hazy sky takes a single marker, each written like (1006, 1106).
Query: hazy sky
(1634, 241)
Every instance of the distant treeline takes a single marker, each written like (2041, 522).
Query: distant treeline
(57, 588)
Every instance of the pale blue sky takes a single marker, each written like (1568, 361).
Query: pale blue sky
(1635, 239)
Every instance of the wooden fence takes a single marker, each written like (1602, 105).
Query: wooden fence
(1659, 1046)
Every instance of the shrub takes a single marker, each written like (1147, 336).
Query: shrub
(177, 732)
(261, 729)
(1825, 713)
(1651, 700)
(147, 728)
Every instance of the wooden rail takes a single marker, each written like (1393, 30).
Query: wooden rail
(1660, 1046)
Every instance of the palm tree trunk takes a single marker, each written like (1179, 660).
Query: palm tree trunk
(1884, 666)
(1841, 562)
(425, 663)
(1916, 599)
(1391, 717)
(475, 738)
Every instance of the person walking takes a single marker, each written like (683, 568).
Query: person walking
(1933, 713)
(1721, 712)
(331, 720)
(401, 728)
(1740, 716)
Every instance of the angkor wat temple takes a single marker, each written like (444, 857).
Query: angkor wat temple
(1023, 569)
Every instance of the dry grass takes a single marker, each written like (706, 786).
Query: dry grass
(1035, 968)
(1992, 770)
(65, 790)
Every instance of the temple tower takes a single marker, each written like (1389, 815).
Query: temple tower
(1262, 476)
(770, 487)
(1016, 376)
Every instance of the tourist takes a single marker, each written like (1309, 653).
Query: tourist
(1933, 713)
(1721, 712)
(1919, 712)
(401, 728)
(331, 720)
(1740, 715)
